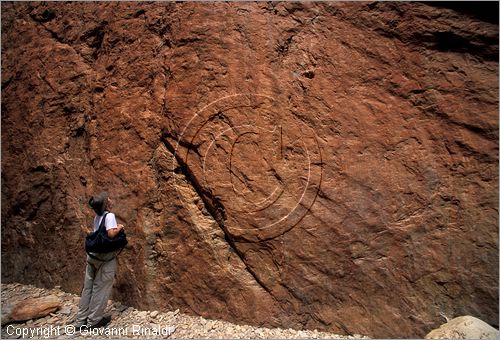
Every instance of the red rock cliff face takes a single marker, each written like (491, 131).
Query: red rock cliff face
(315, 165)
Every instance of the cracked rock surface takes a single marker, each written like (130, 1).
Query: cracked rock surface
(329, 166)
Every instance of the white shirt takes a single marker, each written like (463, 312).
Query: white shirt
(110, 221)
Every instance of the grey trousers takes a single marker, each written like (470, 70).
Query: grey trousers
(96, 289)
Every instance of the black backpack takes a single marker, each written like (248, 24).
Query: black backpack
(99, 242)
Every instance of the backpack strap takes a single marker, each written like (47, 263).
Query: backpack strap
(103, 222)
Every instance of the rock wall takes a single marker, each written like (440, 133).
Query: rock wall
(306, 165)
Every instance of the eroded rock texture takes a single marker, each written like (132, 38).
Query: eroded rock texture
(305, 165)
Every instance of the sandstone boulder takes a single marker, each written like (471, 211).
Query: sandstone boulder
(464, 327)
(31, 308)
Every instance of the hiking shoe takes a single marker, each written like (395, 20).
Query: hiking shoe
(101, 323)
(78, 326)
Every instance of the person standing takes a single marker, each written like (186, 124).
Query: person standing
(100, 270)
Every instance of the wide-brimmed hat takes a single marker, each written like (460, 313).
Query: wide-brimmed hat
(98, 203)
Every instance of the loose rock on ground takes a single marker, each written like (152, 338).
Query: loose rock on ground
(128, 322)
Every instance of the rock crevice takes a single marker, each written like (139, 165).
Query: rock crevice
(214, 207)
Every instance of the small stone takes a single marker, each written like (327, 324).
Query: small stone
(153, 314)
(52, 319)
(142, 314)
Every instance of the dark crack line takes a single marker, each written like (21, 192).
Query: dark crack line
(7, 82)
(57, 38)
(44, 78)
(187, 145)
(216, 210)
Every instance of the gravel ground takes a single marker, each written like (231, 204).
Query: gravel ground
(128, 322)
